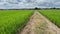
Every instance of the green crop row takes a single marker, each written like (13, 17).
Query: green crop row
(53, 15)
(11, 20)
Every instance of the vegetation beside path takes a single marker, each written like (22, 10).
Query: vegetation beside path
(53, 15)
(11, 20)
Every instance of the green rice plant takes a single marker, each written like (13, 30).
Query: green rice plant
(12, 20)
(53, 15)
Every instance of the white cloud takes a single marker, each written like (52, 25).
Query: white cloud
(28, 4)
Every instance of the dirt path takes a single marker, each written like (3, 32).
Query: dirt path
(38, 24)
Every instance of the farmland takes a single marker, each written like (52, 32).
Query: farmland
(11, 20)
(53, 15)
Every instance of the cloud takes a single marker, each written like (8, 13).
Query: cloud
(11, 4)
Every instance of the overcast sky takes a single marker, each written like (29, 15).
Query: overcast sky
(7, 4)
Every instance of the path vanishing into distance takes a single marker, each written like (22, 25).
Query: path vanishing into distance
(39, 24)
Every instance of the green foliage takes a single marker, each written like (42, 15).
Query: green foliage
(53, 15)
(11, 20)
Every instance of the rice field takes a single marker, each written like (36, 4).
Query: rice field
(53, 15)
(11, 20)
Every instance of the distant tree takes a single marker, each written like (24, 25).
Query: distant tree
(36, 8)
(54, 8)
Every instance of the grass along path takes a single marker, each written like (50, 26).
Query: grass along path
(38, 24)
(11, 20)
(53, 15)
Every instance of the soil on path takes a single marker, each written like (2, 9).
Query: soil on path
(38, 24)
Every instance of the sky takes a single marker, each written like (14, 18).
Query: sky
(12, 4)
